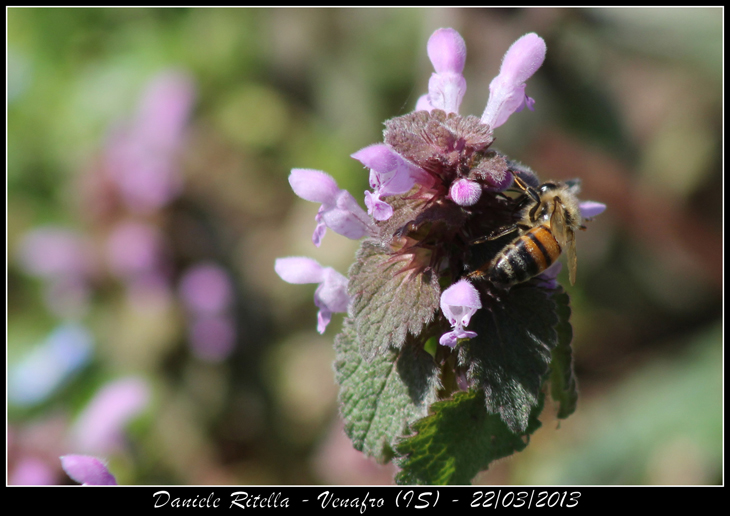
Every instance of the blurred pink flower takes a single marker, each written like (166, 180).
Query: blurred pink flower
(212, 337)
(206, 289)
(99, 428)
(141, 158)
(33, 448)
(134, 248)
(33, 471)
(52, 252)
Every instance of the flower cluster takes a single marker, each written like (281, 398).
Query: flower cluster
(428, 182)
(99, 429)
(127, 195)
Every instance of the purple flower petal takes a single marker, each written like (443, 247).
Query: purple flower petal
(523, 58)
(589, 209)
(299, 269)
(507, 90)
(447, 51)
(458, 303)
(461, 293)
(319, 230)
(423, 104)
(314, 185)
(378, 209)
(339, 211)
(446, 91)
(446, 87)
(331, 297)
(451, 338)
(87, 470)
(331, 294)
(346, 217)
(549, 278)
(390, 174)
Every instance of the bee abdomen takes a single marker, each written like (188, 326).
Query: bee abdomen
(526, 257)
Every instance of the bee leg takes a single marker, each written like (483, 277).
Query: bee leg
(479, 273)
(538, 203)
(497, 233)
(492, 293)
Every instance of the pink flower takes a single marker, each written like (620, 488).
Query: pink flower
(206, 289)
(212, 336)
(390, 174)
(54, 252)
(507, 90)
(141, 158)
(458, 303)
(446, 88)
(331, 295)
(99, 428)
(134, 249)
(339, 211)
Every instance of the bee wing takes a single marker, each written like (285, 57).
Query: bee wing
(565, 237)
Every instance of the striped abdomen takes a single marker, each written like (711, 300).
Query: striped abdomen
(525, 257)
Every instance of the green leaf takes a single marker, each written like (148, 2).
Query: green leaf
(379, 399)
(457, 441)
(563, 386)
(510, 357)
(389, 301)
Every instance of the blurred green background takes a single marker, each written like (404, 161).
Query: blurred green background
(629, 100)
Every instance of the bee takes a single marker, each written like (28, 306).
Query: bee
(549, 216)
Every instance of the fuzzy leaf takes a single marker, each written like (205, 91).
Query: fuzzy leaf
(435, 139)
(379, 399)
(458, 440)
(389, 301)
(510, 357)
(563, 386)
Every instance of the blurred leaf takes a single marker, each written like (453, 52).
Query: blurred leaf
(631, 435)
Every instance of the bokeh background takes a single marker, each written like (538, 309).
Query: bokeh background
(148, 155)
